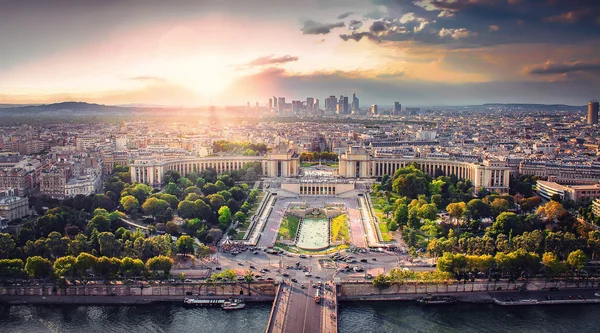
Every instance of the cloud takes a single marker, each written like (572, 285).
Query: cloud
(314, 28)
(494, 27)
(355, 24)
(357, 36)
(344, 15)
(456, 33)
(271, 60)
(551, 68)
(378, 26)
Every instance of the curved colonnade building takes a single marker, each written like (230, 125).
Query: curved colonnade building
(355, 163)
(359, 163)
(152, 171)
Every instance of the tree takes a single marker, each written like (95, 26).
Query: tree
(216, 201)
(11, 268)
(85, 261)
(108, 267)
(456, 210)
(240, 217)
(172, 189)
(499, 205)
(132, 267)
(477, 209)
(155, 207)
(401, 214)
(203, 211)
(427, 212)
(171, 199)
(224, 216)
(109, 245)
(209, 189)
(99, 222)
(64, 266)
(7, 246)
(185, 245)
(552, 210)
(554, 267)
(38, 267)
(186, 209)
(202, 251)
(160, 263)
(507, 223)
(577, 260)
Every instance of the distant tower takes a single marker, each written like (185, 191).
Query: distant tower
(592, 116)
(397, 108)
(374, 109)
(355, 103)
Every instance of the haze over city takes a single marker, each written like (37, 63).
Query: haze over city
(185, 52)
(287, 166)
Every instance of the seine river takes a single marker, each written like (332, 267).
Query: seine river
(354, 317)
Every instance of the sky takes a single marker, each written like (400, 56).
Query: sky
(229, 52)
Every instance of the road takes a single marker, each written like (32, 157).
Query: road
(383, 262)
(296, 310)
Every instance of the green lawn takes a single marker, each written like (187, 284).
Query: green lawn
(289, 227)
(339, 228)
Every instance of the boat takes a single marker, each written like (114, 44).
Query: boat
(234, 305)
(437, 300)
(203, 302)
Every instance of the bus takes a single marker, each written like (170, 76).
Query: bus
(318, 296)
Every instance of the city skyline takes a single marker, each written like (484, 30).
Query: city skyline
(229, 52)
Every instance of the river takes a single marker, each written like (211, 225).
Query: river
(354, 318)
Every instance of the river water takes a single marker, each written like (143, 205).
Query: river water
(361, 317)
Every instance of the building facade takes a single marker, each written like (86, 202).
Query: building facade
(358, 162)
(276, 164)
(12, 206)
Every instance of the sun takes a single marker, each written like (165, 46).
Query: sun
(207, 75)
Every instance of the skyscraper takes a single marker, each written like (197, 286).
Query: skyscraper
(355, 103)
(592, 116)
(310, 104)
(374, 109)
(397, 108)
(281, 104)
(344, 107)
(274, 102)
(331, 103)
(270, 104)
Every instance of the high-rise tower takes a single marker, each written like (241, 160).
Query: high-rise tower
(592, 115)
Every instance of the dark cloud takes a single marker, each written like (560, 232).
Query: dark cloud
(565, 68)
(468, 23)
(357, 36)
(355, 24)
(344, 15)
(378, 26)
(271, 59)
(315, 28)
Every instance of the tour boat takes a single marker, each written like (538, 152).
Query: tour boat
(234, 305)
(202, 302)
(437, 300)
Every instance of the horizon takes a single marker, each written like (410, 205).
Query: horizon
(229, 52)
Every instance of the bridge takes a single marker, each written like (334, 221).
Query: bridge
(295, 309)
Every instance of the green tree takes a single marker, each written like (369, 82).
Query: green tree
(7, 246)
(38, 267)
(130, 204)
(507, 223)
(185, 245)
(160, 264)
(155, 207)
(100, 223)
(85, 262)
(109, 245)
(224, 216)
(554, 267)
(577, 260)
(202, 251)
